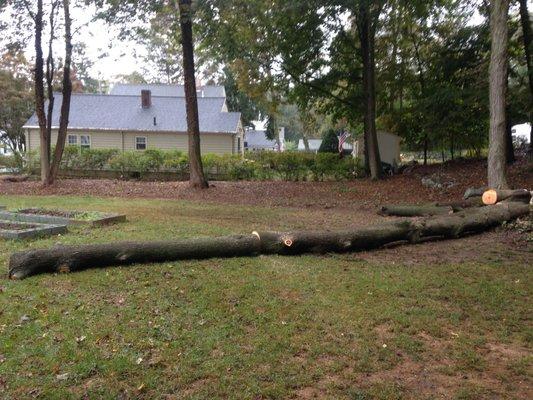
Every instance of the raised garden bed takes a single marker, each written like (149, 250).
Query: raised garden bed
(22, 230)
(62, 217)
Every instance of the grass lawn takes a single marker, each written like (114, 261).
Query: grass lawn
(335, 327)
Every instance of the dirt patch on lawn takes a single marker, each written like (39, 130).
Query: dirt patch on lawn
(498, 246)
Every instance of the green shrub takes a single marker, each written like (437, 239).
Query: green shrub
(9, 162)
(324, 165)
(125, 162)
(267, 165)
(176, 160)
(75, 158)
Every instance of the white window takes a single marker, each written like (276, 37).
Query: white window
(140, 143)
(85, 141)
(72, 140)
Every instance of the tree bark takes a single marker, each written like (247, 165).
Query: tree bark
(474, 192)
(67, 93)
(366, 29)
(39, 94)
(197, 178)
(526, 35)
(422, 83)
(497, 93)
(415, 210)
(509, 148)
(77, 258)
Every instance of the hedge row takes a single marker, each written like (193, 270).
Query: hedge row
(290, 166)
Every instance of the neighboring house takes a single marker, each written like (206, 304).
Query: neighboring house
(389, 147)
(138, 117)
(256, 140)
(522, 132)
(314, 145)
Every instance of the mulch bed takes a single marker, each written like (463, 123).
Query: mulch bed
(363, 193)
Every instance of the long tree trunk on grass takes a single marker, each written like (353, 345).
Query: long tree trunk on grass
(197, 178)
(367, 18)
(497, 178)
(77, 258)
(67, 93)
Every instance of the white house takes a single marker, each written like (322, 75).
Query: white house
(138, 117)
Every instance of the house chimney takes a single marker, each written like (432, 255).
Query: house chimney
(146, 99)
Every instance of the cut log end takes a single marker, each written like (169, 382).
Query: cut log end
(490, 197)
(493, 196)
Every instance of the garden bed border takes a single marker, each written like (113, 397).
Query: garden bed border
(107, 219)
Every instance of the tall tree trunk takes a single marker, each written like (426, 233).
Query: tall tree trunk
(67, 92)
(39, 93)
(366, 30)
(509, 148)
(422, 82)
(497, 178)
(197, 178)
(526, 35)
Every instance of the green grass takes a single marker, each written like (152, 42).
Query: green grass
(273, 327)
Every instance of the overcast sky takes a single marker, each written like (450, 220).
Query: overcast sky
(111, 56)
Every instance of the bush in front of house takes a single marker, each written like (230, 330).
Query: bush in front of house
(9, 162)
(267, 165)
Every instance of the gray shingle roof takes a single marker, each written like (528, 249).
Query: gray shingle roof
(258, 140)
(122, 89)
(124, 113)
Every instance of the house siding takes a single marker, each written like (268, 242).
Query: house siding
(389, 147)
(216, 143)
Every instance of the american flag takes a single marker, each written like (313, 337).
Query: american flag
(342, 139)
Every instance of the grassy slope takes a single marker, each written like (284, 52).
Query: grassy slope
(268, 327)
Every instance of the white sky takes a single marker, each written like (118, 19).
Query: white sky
(111, 56)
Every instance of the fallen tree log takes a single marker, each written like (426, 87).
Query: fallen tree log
(493, 196)
(427, 210)
(474, 192)
(415, 211)
(461, 205)
(76, 258)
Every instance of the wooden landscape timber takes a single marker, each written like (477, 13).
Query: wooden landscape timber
(77, 258)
